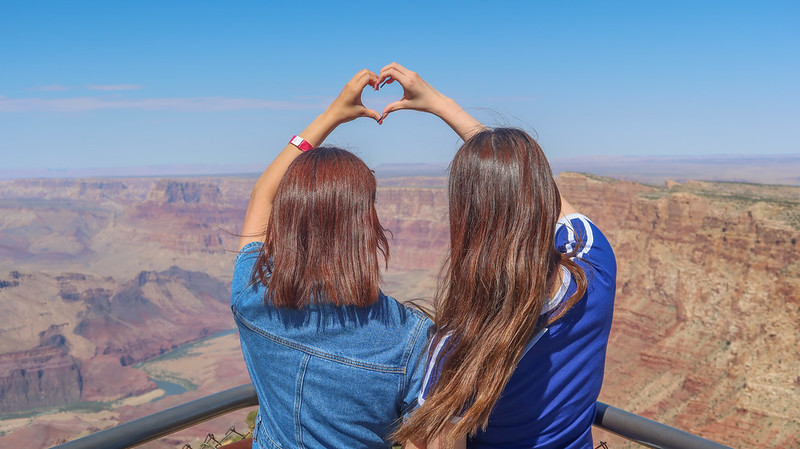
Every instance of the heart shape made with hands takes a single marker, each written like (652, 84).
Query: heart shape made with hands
(387, 93)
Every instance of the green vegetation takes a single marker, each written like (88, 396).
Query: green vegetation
(169, 377)
(603, 179)
(655, 194)
(78, 407)
(791, 216)
(176, 353)
(184, 350)
(251, 420)
(745, 198)
(790, 270)
(87, 407)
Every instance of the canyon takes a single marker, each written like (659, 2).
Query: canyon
(101, 277)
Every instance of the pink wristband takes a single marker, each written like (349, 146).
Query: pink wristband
(300, 143)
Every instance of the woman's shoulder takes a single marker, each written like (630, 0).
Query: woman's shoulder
(577, 235)
(246, 259)
(408, 314)
(576, 232)
(249, 253)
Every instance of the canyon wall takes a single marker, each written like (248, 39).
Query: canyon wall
(99, 260)
(46, 375)
(95, 329)
(705, 334)
(98, 275)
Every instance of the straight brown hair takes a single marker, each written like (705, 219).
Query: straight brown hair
(323, 236)
(500, 271)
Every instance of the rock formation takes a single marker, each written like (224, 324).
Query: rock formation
(98, 275)
(96, 327)
(45, 375)
(705, 333)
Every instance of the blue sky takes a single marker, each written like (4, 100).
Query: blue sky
(122, 84)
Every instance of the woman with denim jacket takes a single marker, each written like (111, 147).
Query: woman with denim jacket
(335, 362)
(524, 306)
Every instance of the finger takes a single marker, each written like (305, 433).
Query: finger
(391, 107)
(353, 89)
(394, 66)
(372, 79)
(356, 79)
(371, 113)
(365, 77)
(392, 72)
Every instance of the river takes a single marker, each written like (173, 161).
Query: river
(173, 388)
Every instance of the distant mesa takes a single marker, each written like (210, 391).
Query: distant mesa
(759, 168)
(410, 170)
(185, 192)
(655, 170)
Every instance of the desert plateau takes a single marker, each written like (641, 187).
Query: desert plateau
(114, 295)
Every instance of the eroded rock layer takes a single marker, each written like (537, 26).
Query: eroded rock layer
(96, 276)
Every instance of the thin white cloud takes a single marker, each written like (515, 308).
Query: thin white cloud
(114, 86)
(511, 98)
(51, 88)
(200, 104)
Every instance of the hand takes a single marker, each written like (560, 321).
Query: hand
(348, 106)
(417, 94)
(421, 96)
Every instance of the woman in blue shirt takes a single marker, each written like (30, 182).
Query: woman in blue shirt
(524, 306)
(335, 362)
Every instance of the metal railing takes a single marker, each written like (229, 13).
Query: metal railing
(648, 432)
(165, 422)
(151, 427)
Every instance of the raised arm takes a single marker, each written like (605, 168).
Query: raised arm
(421, 96)
(566, 208)
(346, 107)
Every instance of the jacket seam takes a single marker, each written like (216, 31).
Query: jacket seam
(266, 433)
(301, 375)
(316, 352)
(409, 352)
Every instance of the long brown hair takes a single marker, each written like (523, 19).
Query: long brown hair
(502, 267)
(323, 236)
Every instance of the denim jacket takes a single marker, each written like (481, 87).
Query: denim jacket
(327, 376)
